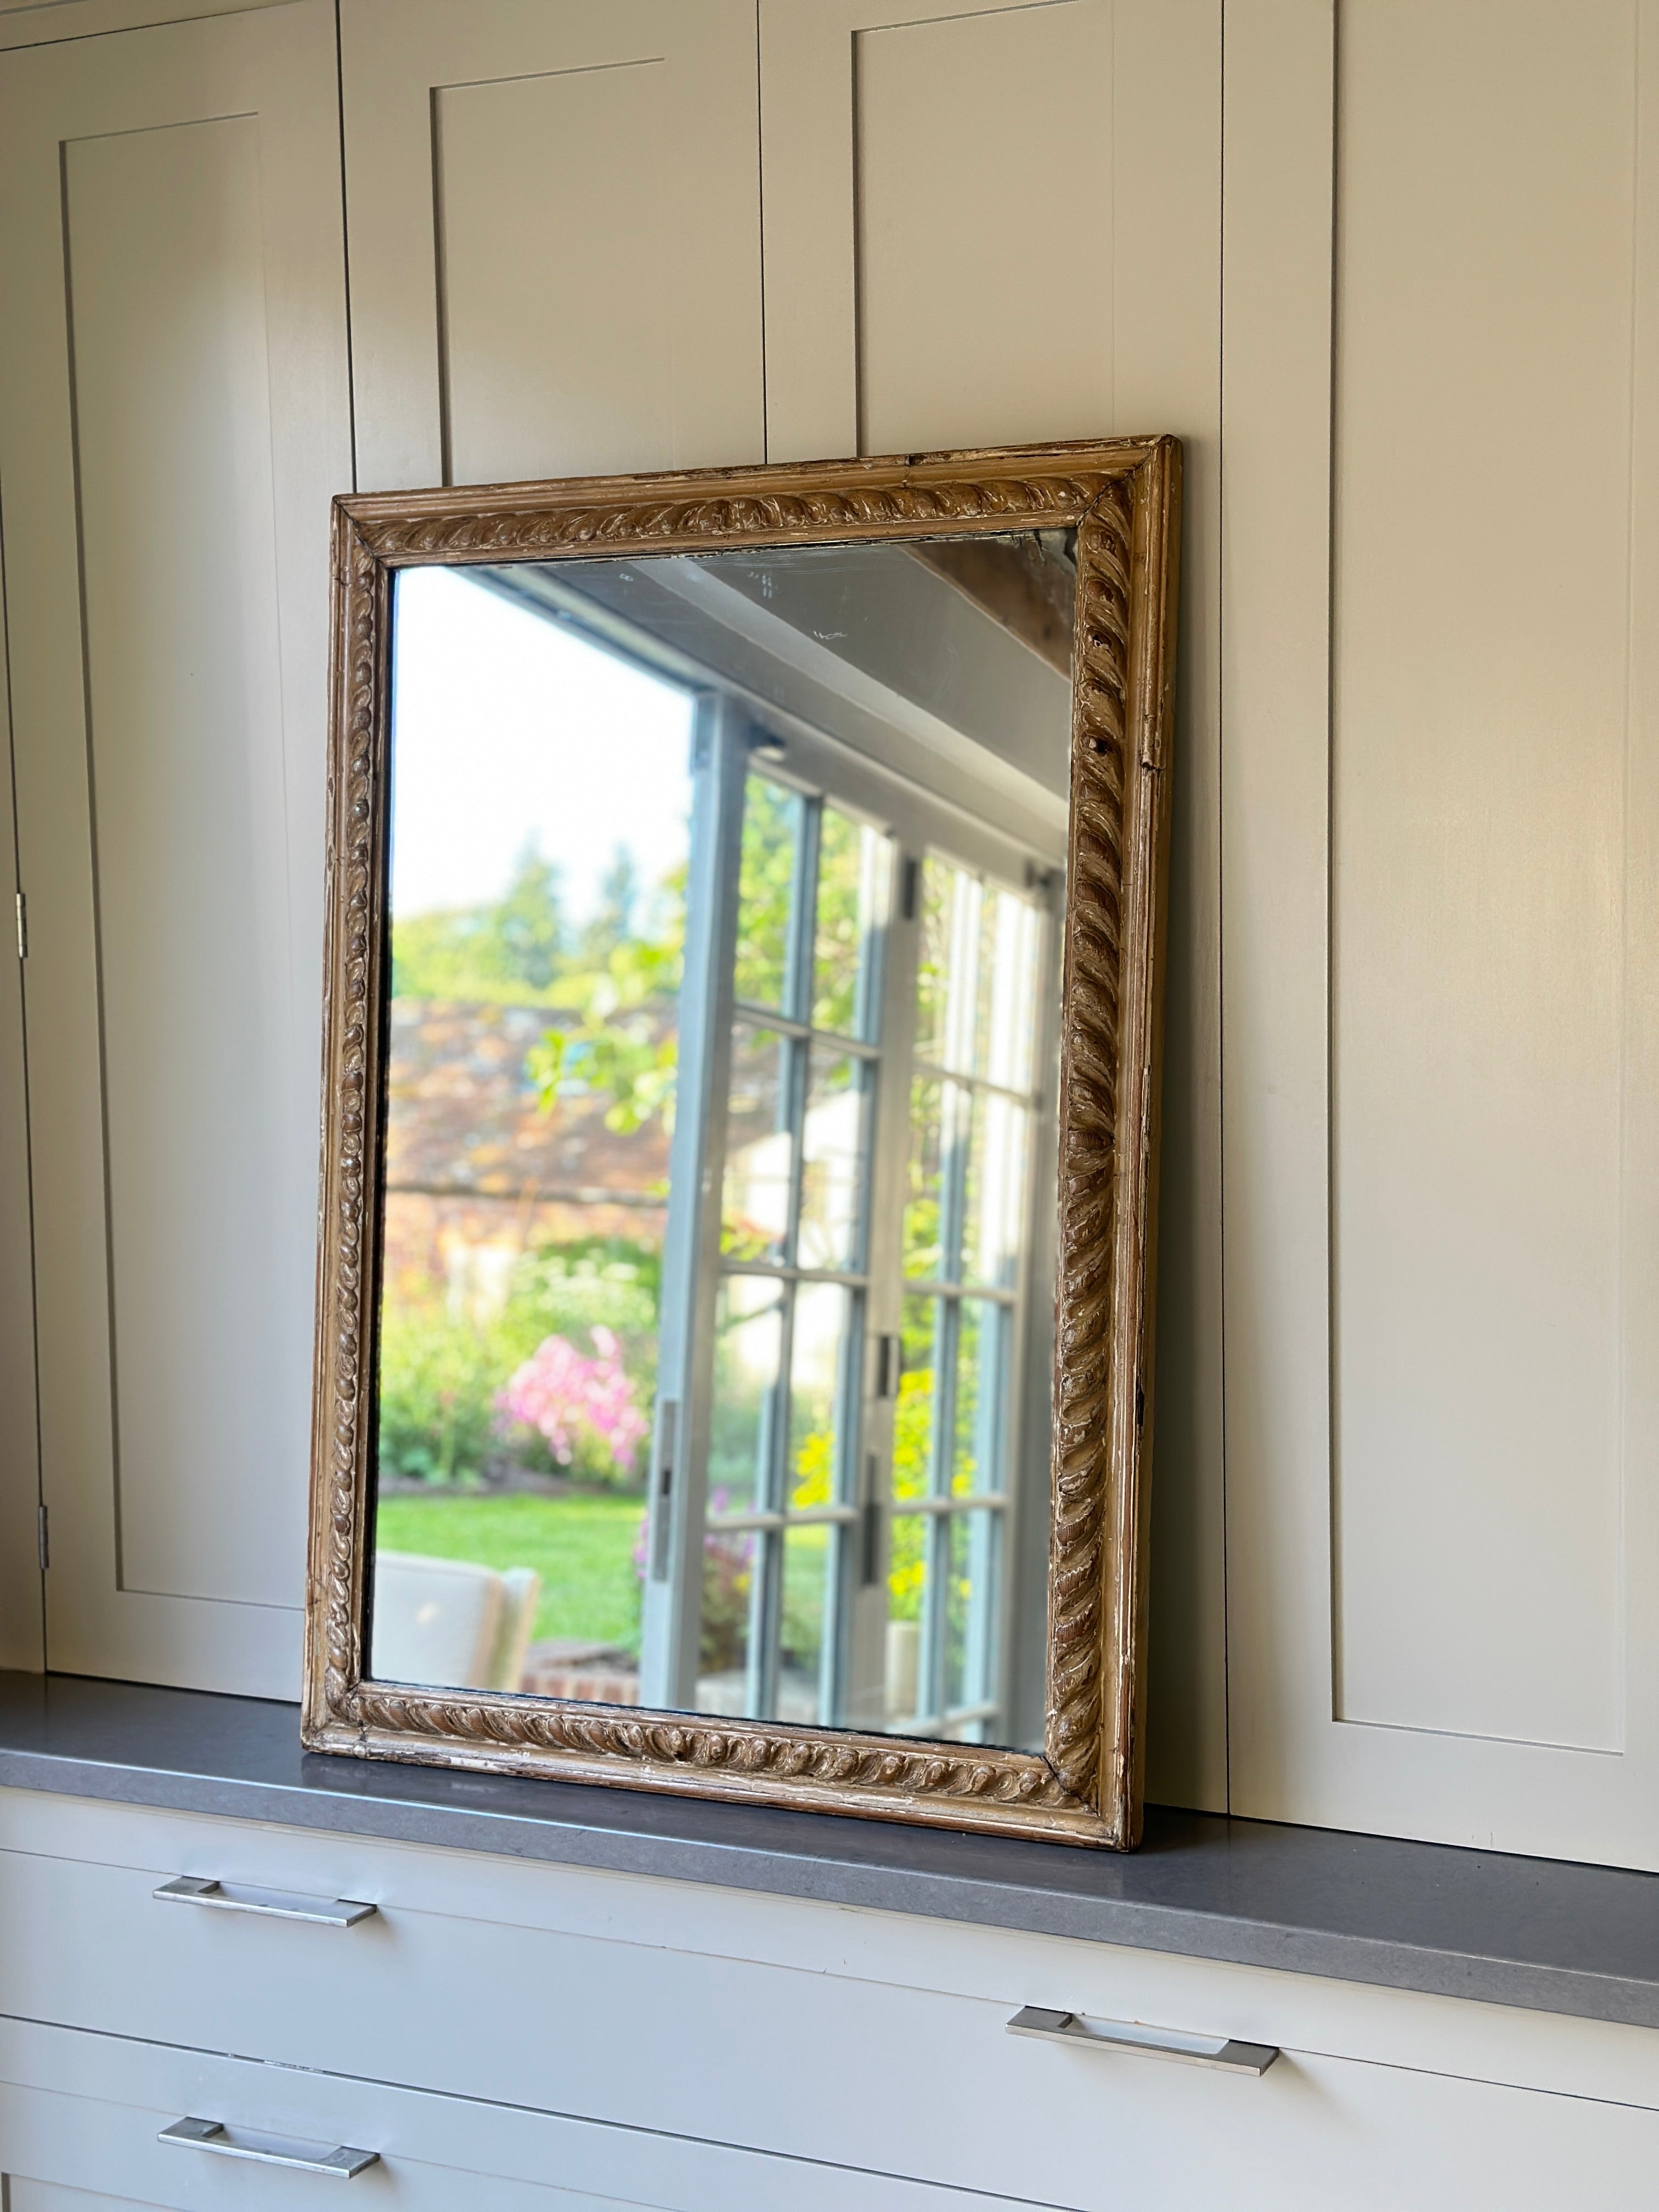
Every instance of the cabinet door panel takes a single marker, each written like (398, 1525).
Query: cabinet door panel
(940, 210)
(555, 225)
(1443, 780)
(986, 224)
(173, 423)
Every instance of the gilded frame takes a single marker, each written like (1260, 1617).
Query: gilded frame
(1122, 496)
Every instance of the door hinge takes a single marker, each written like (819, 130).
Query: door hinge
(22, 927)
(668, 1422)
(870, 1539)
(889, 1365)
(44, 1540)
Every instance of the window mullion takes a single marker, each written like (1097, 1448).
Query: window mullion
(956, 1112)
(862, 1636)
(930, 1684)
(837, 1582)
(766, 1609)
(803, 911)
(766, 1598)
(673, 1589)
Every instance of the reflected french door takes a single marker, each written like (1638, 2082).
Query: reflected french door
(848, 1259)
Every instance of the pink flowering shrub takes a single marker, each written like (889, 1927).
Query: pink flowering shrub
(581, 1406)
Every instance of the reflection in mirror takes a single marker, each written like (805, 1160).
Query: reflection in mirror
(718, 1240)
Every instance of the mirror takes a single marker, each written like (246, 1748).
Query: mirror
(843, 1363)
(717, 967)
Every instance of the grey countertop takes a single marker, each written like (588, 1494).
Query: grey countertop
(1534, 1932)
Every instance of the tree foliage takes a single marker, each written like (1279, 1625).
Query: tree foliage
(622, 1041)
(611, 983)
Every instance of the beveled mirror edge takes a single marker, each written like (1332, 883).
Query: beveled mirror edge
(1123, 496)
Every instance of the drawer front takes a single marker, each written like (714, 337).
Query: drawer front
(1597, 2059)
(82, 2113)
(848, 2038)
(917, 2082)
(27, 2196)
(925, 2088)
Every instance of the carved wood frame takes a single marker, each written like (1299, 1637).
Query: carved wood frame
(1122, 496)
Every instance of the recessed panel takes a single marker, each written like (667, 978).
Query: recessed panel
(209, 1165)
(1482, 514)
(983, 168)
(556, 292)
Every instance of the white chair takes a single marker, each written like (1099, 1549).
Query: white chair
(449, 1624)
(522, 1593)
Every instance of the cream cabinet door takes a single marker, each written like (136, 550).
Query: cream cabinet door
(22, 1623)
(554, 215)
(986, 223)
(1441, 694)
(174, 412)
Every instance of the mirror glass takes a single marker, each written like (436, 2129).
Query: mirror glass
(715, 1330)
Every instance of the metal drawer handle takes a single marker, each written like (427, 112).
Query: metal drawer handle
(269, 2150)
(277, 1903)
(1219, 2050)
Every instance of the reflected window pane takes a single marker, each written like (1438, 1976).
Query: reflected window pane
(748, 1348)
(982, 1348)
(1008, 988)
(977, 976)
(808, 1560)
(941, 1128)
(902, 1667)
(854, 862)
(953, 909)
(924, 1256)
(759, 1147)
(995, 1198)
(766, 884)
(970, 1606)
(933, 958)
(821, 1353)
(730, 1557)
(906, 1582)
(833, 1165)
(914, 1409)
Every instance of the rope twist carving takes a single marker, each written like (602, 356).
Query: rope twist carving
(1067, 1781)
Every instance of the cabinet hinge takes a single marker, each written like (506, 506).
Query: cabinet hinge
(44, 1540)
(22, 927)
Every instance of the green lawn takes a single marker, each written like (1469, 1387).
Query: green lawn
(581, 1548)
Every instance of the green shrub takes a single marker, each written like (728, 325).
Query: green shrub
(439, 1377)
(442, 1373)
